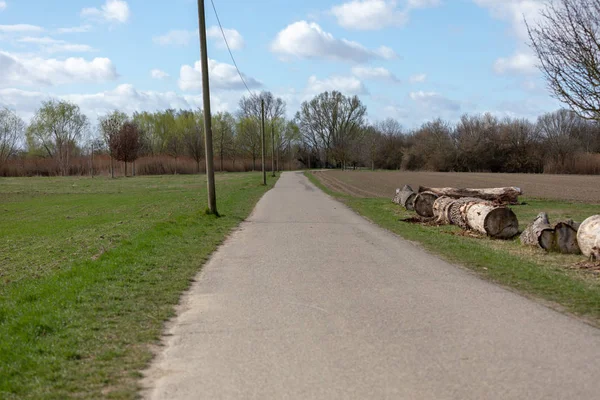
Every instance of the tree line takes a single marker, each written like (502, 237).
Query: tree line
(331, 130)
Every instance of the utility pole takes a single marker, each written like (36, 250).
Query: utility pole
(210, 171)
(264, 171)
(272, 147)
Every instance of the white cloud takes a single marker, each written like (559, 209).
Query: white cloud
(20, 28)
(158, 74)
(376, 14)
(434, 102)
(514, 11)
(523, 63)
(21, 70)
(111, 11)
(51, 45)
(175, 38)
(344, 84)
(307, 40)
(124, 97)
(3, 5)
(75, 29)
(222, 76)
(418, 78)
(234, 38)
(374, 73)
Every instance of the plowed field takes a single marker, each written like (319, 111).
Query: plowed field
(581, 188)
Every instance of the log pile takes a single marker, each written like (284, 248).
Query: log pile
(485, 211)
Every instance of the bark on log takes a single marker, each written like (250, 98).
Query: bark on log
(424, 204)
(561, 237)
(540, 233)
(504, 195)
(588, 237)
(454, 214)
(495, 221)
(441, 207)
(405, 197)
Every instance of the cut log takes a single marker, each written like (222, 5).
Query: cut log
(495, 221)
(424, 204)
(441, 207)
(454, 215)
(540, 233)
(561, 238)
(588, 237)
(565, 238)
(405, 197)
(504, 195)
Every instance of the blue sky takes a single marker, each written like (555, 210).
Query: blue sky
(413, 60)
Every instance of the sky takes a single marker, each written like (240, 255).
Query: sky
(412, 60)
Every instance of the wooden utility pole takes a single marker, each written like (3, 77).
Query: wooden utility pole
(210, 171)
(264, 171)
(272, 147)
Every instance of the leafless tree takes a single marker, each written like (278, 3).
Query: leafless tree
(567, 44)
(331, 122)
(12, 129)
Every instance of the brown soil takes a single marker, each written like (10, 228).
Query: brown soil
(580, 188)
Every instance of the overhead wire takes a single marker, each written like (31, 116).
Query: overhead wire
(230, 52)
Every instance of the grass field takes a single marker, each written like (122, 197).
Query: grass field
(91, 269)
(566, 282)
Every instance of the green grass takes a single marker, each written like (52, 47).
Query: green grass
(91, 269)
(530, 271)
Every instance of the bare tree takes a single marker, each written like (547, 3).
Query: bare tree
(331, 121)
(12, 129)
(559, 129)
(567, 44)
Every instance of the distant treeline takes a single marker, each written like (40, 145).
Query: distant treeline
(331, 130)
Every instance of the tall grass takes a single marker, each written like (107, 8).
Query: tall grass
(150, 165)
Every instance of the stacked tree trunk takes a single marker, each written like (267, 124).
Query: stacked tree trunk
(503, 195)
(479, 215)
(482, 211)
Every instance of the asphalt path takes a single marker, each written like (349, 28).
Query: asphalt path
(307, 300)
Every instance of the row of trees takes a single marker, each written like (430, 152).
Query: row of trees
(331, 130)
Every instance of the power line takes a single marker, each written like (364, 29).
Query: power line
(229, 49)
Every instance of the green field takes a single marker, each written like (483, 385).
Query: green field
(90, 269)
(558, 280)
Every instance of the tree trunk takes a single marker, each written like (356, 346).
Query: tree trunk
(540, 233)
(112, 167)
(253, 162)
(405, 197)
(588, 237)
(565, 238)
(505, 195)
(441, 209)
(125, 168)
(424, 204)
(497, 222)
(454, 214)
(561, 238)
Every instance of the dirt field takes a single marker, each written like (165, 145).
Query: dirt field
(582, 188)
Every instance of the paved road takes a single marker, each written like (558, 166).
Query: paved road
(309, 301)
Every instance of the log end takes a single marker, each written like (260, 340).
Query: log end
(423, 204)
(501, 223)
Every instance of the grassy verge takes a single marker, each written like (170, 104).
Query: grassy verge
(91, 269)
(551, 277)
